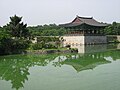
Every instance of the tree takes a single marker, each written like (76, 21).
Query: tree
(17, 28)
(5, 42)
(113, 29)
(14, 37)
(47, 30)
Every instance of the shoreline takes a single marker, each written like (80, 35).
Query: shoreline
(51, 51)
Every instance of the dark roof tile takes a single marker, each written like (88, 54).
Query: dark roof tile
(84, 20)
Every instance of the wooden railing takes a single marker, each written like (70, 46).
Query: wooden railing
(84, 34)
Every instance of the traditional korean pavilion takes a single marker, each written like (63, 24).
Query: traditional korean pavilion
(84, 26)
(84, 30)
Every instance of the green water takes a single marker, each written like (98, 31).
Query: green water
(86, 71)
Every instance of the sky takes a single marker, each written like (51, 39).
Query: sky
(40, 12)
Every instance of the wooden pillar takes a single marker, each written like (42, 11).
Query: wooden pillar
(90, 31)
(98, 31)
(83, 31)
(95, 32)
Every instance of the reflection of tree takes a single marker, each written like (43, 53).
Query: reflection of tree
(16, 68)
(15, 71)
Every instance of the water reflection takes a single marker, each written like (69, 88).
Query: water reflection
(79, 63)
(16, 68)
(95, 48)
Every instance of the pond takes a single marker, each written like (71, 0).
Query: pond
(97, 68)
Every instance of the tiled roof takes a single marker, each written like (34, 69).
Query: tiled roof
(84, 20)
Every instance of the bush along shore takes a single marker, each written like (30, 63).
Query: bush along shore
(51, 51)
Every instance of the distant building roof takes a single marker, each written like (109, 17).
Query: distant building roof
(84, 20)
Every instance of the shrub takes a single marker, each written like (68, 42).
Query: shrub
(37, 46)
(50, 46)
(74, 50)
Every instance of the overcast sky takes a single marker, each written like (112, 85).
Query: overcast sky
(39, 12)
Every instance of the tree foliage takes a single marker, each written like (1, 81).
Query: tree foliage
(14, 37)
(47, 30)
(17, 28)
(5, 42)
(47, 42)
(113, 29)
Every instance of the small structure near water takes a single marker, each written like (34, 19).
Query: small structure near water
(84, 30)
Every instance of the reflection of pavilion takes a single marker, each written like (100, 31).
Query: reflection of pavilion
(90, 48)
(87, 61)
(95, 48)
(93, 56)
(82, 66)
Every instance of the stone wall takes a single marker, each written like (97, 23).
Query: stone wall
(95, 39)
(81, 40)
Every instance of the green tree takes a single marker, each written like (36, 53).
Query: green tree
(113, 29)
(20, 34)
(17, 28)
(47, 30)
(14, 37)
(5, 42)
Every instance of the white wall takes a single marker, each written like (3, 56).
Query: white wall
(118, 38)
(81, 48)
(76, 40)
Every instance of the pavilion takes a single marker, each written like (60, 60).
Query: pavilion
(84, 30)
